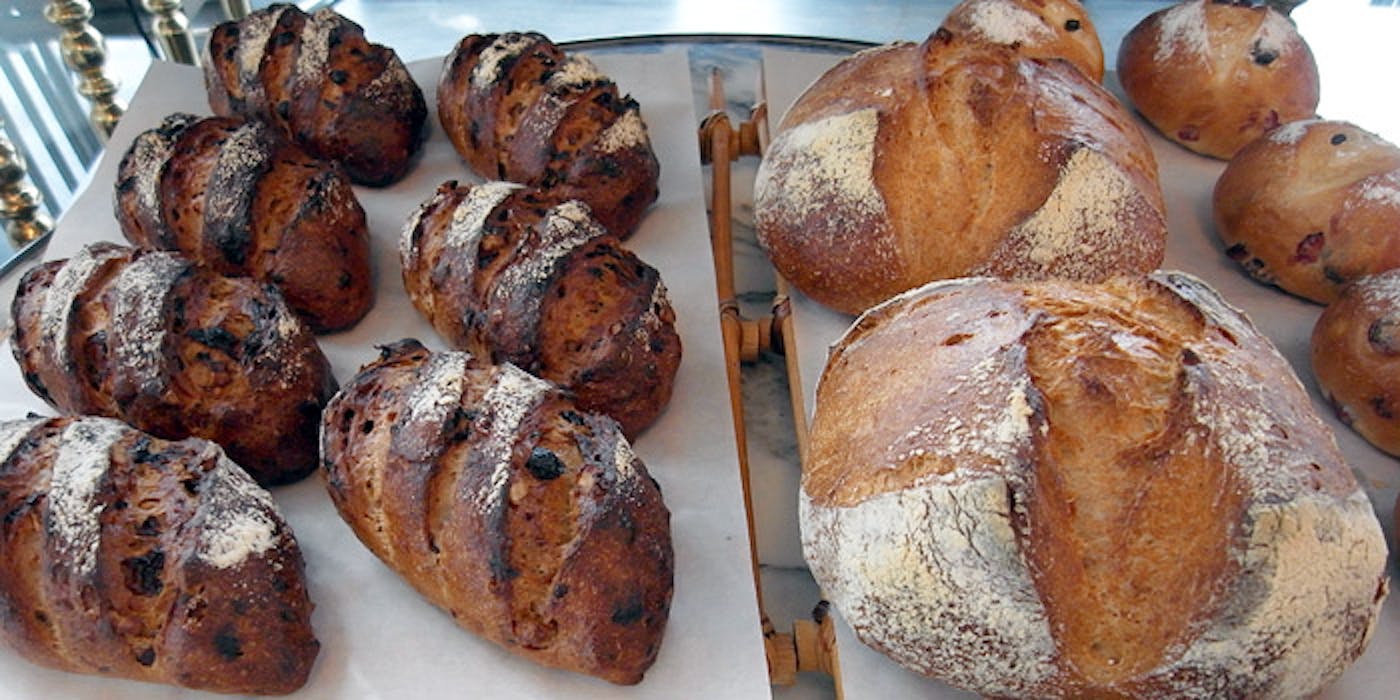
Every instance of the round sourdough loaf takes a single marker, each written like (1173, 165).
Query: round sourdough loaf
(1213, 76)
(1056, 489)
(1311, 207)
(1356, 357)
(909, 163)
(1038, 28)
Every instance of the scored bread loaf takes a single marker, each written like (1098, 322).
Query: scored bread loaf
(318, 80)
(518, 108)
(1213, 76)
(1036, 28)
(528, 519)
(130, 556)
(909, 163)
(1056, 489)
(520, 276)
(1311, 207)
(242, 200)
(177, 351)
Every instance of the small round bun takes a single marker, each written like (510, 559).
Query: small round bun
(1356, 357)
(1213, 76)
(1065, 490)
(1311, 207)
(915, 162)
(1037, 28)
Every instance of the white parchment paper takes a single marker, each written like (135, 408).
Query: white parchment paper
(1187, 181)
(379, 638)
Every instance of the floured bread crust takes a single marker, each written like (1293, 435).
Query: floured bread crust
(1036, 28)
(1061, 490)
(909, 163)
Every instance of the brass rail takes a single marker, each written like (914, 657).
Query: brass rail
(85, 51)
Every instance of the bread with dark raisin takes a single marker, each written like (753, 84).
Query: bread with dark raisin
(518, 108)
(241, 199)
(177, 351)
(502, 502)
(321, 83)
(517, 275)
(135, 557)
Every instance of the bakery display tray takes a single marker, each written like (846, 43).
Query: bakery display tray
(379, 638)
(1187, 181)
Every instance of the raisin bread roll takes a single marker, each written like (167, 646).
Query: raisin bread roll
(1037, 28)
(909, 163)
(1055, 489)
(519, 276)
(1356, 358)
(240, 199)
(1213, 76)
(318, 80)
(518, 108)
(528, 519)
(177, 351)
(1311, 207)
(159, 561)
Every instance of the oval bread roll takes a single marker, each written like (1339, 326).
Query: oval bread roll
(320, 82)
(1312, 206)
(240, 199)
(1356, 357)
(130, 556)
(1056, 489)
(530, 521)
(520, 276)
(177, 351)
(1213, 76)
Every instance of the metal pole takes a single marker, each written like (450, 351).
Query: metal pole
(85, 52)
(172, 28)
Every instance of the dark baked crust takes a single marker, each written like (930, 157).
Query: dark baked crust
(531, 114)
(181, 572)
(242, 200)
(537, 283)
(526, 518)
(177, 351)
(318, 80)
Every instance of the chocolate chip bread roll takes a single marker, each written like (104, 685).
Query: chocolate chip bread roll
(318, 80)
(520, 276)
(519, 108)
(177, 351)
(134, 557)
(527, 518)
(244, 201)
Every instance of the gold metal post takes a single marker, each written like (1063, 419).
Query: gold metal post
(172, 28)
(235, 9)
(85, 52)
(19, 201)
